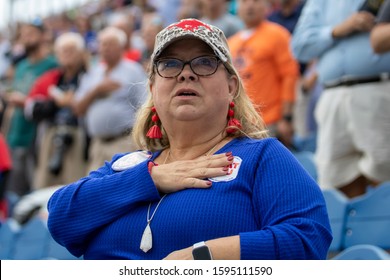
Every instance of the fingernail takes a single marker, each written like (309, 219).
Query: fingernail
(230, 158)
(209, 183)
(228, 154)
(225, 168)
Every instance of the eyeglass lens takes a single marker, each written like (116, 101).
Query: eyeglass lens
(172, 67)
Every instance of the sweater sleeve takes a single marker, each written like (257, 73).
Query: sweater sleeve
(290, 210)
(78, 210)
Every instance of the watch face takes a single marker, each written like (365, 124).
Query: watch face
(201, 253)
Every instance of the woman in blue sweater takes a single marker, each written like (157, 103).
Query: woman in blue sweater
(206, 183)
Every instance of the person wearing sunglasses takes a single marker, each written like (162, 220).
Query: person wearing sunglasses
(206, 183)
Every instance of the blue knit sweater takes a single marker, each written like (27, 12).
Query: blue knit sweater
(273, 205)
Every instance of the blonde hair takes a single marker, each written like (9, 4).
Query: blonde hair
(252, 124)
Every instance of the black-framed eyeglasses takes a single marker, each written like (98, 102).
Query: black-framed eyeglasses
(201, 66)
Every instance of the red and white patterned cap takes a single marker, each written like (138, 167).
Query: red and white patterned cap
(211, 35)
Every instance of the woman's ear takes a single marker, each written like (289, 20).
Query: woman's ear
(151, 90)
(233, 85)
(150, 87)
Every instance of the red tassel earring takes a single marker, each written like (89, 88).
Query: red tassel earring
(233, 124)
(155, 131)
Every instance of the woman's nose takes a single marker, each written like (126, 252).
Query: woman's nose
(187, 73)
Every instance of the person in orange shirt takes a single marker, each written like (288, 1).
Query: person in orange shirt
(262, 55)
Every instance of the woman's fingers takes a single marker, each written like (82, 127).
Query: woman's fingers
(179, 175)
(206, 167)
(219, 160)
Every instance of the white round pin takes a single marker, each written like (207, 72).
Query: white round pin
(130, 160)
(232, 172)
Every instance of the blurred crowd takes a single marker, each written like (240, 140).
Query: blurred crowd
(71, 83)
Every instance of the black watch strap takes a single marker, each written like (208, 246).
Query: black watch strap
(200, 251)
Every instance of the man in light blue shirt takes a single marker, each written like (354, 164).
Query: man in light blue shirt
(353, 123)
(108, 98)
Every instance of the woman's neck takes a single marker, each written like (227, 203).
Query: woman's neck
(192, 148)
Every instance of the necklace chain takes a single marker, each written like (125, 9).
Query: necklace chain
(155, 210)
(206, 154)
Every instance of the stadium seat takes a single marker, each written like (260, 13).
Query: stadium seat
(336, 203)
(368, 219)
(12, 199)
(58, 252)
(363, 252)
(306, 158)
(31, 242)
(8, 232)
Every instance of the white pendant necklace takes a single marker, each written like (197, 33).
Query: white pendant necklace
(147, 238)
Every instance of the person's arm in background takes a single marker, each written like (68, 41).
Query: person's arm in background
(309, 77)
(357, 22)
(380, 38)
(380, 34)
(105, 87)
(313, 35)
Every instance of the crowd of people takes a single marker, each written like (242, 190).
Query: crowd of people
(69, 90)
(81, 88)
